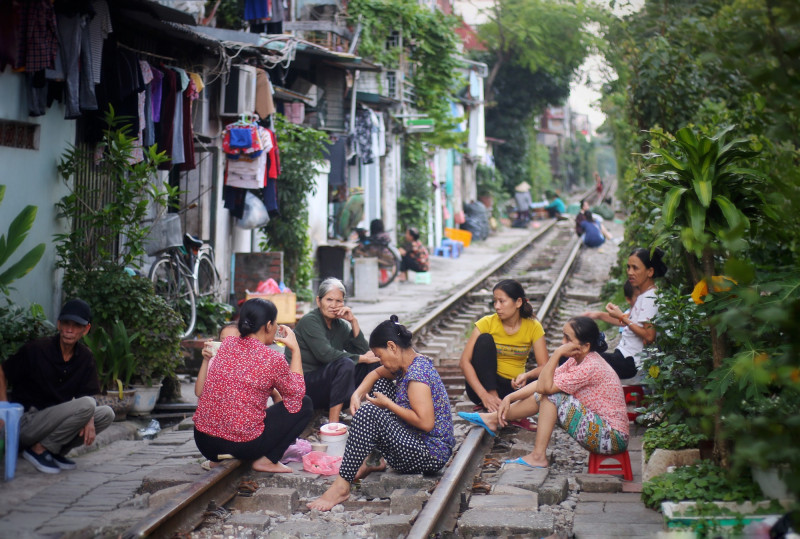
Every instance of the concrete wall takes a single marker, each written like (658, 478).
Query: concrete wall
(31, 177)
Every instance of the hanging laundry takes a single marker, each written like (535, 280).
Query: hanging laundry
(264, 104)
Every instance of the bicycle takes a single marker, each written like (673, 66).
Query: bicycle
(388, 256)
(184, 272)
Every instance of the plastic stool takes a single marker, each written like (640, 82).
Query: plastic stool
(422, 277)
(442, 250)
(456, 247)
(621, 466)
(633, 394)
(10, 412)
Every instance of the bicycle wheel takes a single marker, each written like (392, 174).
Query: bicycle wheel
(170, 283)
(208, 281)
(388, 265)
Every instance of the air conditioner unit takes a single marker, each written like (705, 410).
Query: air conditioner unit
(239, 95)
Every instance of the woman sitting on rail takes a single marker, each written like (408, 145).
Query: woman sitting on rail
(493, 361)
(232, 415)
(583, 396)
(407, 420)
(638, 331)
(336, 357)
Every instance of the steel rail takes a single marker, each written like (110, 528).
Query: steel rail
(429, 520)
(476, 282)
(184, 512)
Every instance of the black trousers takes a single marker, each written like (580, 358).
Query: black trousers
(625, 367)
(484, 361)
(281, 429)
(335, 383)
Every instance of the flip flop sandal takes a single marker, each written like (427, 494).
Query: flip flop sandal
(525, 423)
(481, 487)
(246, 489)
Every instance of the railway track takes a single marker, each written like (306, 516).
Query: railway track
(543, 265)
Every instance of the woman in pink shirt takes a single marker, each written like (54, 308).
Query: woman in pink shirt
(232, 415)
(583, 396)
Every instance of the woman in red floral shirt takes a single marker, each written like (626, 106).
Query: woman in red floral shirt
(232, 415)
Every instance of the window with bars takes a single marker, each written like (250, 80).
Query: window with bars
(20, 135)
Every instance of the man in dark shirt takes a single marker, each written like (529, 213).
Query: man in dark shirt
(54, 378)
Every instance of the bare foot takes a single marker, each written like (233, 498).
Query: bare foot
(265, 465)
(365, 469)
(337, 493)
(534, 461)
(491, 420)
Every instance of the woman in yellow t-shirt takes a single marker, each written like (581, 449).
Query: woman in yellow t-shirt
(493, 362)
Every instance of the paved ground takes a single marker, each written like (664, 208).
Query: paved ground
(117, 479)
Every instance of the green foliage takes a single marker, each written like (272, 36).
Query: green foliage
(116, 296)
(702, 482)
(490, 184)
(19, 325)
(677, 368)
(211, 316)
(669, 436)
(17, 232)
(301, 152)
(416, 190)
(431, 44)
(229, 13)
(113, 355)
(709, 197)
(114, 230)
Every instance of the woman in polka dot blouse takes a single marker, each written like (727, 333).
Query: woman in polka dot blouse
(232, 415)
(406, 418)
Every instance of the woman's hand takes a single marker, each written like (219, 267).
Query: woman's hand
(565, 350)
(286, 336)
(355, 402)
(369, 357)
(502, 410)
(207, 352)
(614, 311)
(491, 402)
(520, 381)
(380, 400)
(345, 313)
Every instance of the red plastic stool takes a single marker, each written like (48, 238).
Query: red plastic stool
(633, 394)
(621, 466)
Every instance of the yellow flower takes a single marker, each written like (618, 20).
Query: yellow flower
(719, 285)
(654, 371)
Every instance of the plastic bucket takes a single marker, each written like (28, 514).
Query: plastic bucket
(10, 413)
(335, 436)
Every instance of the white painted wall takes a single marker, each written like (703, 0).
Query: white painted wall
(30, 177)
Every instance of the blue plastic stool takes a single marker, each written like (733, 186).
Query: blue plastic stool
(456, 247)
(442, 250)
(10, 412)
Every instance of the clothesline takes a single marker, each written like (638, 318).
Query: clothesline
(144, 53)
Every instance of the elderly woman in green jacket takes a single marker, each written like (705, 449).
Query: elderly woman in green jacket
(335, 353)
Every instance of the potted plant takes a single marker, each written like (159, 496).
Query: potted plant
(105, 246)
(115, 367)
(668, 445)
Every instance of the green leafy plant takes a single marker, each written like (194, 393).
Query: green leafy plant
(108, 223)
(211, 315)
(669, 436)
(113, 356)
(703, 482)
(19, 325)
(115, 295)
(413, 203)
(17, 232)
(301, 152)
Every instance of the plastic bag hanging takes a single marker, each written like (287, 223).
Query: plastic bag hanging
(254, 214)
